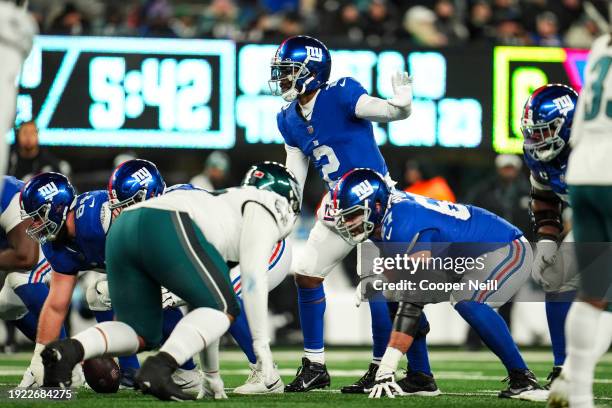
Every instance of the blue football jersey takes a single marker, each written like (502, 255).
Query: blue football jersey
(334, 139)
(551, 174)
(86, 251)
(444, 222)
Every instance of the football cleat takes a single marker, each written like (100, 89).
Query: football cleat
(554, 374)
(256, 383)
(558, 396)
(127, 378)
(309, 376)
(155, 378)
(364, 384)
(190, 381)
(59, 359)
(519, 382)
(418, 383)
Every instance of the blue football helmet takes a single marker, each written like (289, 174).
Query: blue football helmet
(360, 200)
(134, 181)
(46, 199)
(547, 121)
(301, 64)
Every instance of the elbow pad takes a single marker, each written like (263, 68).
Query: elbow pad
(548, 217)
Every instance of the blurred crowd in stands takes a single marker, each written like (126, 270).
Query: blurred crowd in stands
(374, 23)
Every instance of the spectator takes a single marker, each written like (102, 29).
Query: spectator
(220, 20)
(419, 22)
(155, 22)
(435, 187)
(510, 32)
(345, 21)
(215, 173)
(547, 31)
(480, 24)
(582, 33)
(69, 22)
(448, 22)
(27, 158)
(380, 25)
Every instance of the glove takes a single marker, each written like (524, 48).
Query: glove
(385, 385)
(169, 299)
(402, 90)
(213, 386)
(546, 254)
(36, 365)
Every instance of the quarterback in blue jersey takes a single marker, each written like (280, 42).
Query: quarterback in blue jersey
(72, 230)
(329, 123)
(546, 124)
(365, 207)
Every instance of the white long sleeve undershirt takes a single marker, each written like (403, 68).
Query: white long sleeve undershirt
(379, 110)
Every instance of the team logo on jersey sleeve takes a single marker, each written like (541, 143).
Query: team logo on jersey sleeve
(314, 53)
(363, 190)
(564, 104)
(143, 176)
(49, 191)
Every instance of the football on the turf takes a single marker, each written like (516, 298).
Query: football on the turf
(102, 374)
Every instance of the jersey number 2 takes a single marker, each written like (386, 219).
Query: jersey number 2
(332, 161)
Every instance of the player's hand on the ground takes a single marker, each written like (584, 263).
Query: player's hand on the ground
(169, 299)
(402, 90)
(213, 386)
(545, 256)
(385, 386)
(36, 365)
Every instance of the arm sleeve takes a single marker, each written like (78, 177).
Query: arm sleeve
(297, 162)
(379, 110)
(259, 234)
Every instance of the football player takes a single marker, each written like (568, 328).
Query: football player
(365, 207)
(546, 125)
(589, 175)
(17, 30)
(125, 188)
(330, 123)
(72, 231)
(183, 241)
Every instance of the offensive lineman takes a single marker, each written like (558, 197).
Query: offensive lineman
(330, 124)
(183, 241)
(589, 176)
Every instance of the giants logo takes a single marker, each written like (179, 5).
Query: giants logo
(49, 191)
(314, 53)
(564, 104)
(363, 190)
(143, 176)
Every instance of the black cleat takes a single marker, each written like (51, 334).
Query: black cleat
(418, 383)
(155, 378)
(59, 359)
(556, 372)
(364, 384)
(309, 376)
(519, 381)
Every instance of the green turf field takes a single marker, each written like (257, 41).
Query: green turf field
(466, 380)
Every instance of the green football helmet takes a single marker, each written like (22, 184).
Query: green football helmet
(275, 177)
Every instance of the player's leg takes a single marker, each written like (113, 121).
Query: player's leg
(509, 268)
(592, 222)
(322, 252)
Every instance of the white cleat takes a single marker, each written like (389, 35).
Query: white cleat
(559, 393)
(534, 395)
(190, 381)
(28, 380)
(256, 383)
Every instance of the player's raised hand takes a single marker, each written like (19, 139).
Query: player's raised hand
(402, 90)
(545, 256)
(213, 386)
(385, 386)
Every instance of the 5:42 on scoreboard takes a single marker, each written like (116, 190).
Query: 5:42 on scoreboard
(98, 91)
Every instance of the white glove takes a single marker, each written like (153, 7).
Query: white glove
(546, 254)
(402, 90)
(213, 386)
(385, 386)
(36, 365)
(169, 299)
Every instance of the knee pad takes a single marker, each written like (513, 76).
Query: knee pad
(11, 306)
(306, 263)
(407, 318)
(98, 297)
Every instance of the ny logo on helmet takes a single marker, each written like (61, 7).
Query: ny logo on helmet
(143, 176)
(314, 53)
(363, 190)
(564, 104)
(49, 191)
